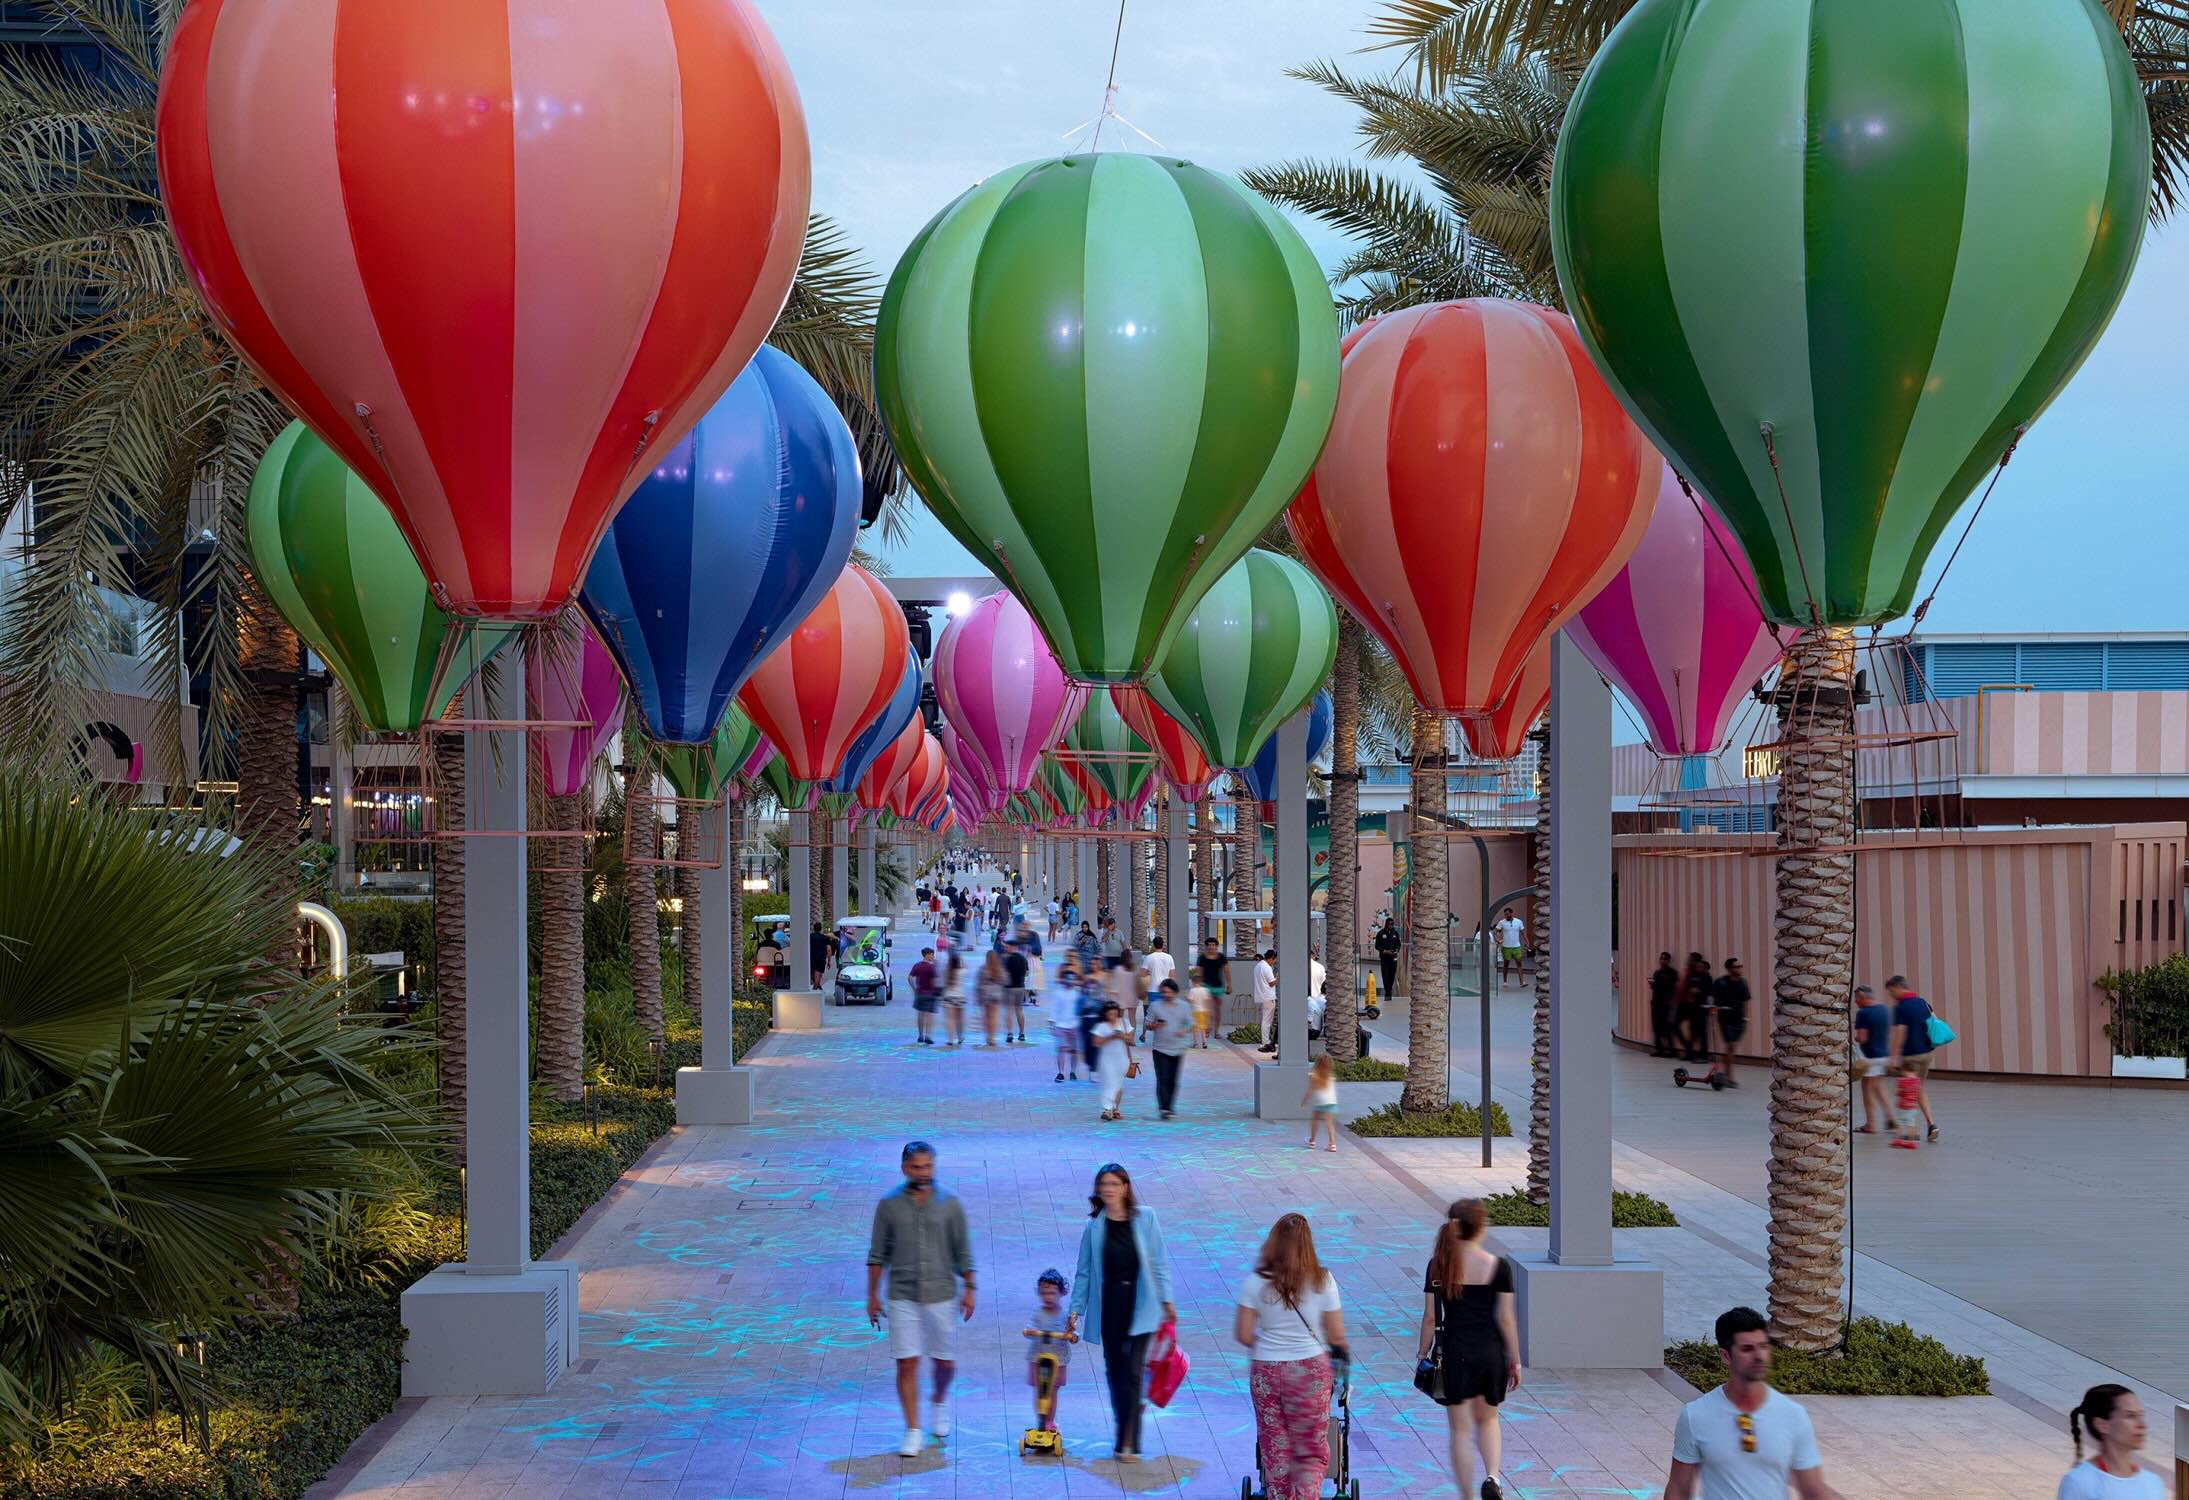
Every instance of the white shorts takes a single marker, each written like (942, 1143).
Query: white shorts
(922, 1330)
(1873, 1067)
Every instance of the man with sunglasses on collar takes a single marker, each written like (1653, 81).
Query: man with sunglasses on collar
(1745, 1441)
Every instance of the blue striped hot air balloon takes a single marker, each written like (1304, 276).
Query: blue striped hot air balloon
(1260, 775)
(735, 536)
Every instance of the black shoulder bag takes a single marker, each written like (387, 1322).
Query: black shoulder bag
(1429, 1372)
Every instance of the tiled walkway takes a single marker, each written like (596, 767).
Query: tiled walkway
(726, 1355)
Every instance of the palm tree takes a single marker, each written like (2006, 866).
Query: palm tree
(641, 888)
(557, 869)
(1428, 1037)
(1341, 898)
(176, 1114)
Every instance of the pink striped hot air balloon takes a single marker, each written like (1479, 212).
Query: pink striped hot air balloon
(999, 684)
(1678, 630)
(830, 676)
(573, 682)
(968, 777)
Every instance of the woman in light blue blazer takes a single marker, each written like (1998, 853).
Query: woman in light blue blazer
(1122, 1293)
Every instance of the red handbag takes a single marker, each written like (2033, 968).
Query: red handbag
(1167, 1364)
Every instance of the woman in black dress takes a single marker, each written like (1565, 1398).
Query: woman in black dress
(1470, 1343)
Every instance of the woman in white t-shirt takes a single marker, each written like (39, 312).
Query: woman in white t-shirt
(2113, 1417)
(1288, 1315)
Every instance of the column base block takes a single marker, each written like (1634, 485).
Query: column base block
(714, 1096)
(474, 1334)
(1278, 1089)
(1590, 1317)
(798, 1010)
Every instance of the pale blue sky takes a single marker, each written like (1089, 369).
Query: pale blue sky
(910, 104)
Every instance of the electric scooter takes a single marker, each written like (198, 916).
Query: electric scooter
(1715, 1077)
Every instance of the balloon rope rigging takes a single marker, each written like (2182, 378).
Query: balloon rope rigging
(1771, 451)
(1109, 88)
(1734, 563)
(2004, 459)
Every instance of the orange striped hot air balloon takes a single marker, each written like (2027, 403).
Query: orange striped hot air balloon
(831, 676)
(1480, 484)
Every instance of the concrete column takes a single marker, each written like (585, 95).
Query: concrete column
(1180, 867)
(1581, 1305)
(715, 1092)
(1278, 1086)
(839, 869)
(1086, 878)
(496, 954)
(870, 885)
(801, 895)
(478, 1327)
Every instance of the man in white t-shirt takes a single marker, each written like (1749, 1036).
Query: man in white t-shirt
(1157, 965)
(1512, 939)
(1265, 997)
(1745, 1441)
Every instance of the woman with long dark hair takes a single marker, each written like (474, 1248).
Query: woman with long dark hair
(1469, 1355)
(1288, 1315)
(1122, 1292)
(2112, 1417)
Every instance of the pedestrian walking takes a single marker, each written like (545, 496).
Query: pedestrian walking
(1729, 997)
(1289, 1317)
(1664, 1008)
(1912, 1016)
(1156, 965)
(1168, 1028)
(988, 992)
(820, 953)
(1208, 974)
(1512, 942)
(1745, 1441)
(1113, 946)
(1265, 998)
(926, 997)
(1088, 999)
(1113, 1039)
(1388, 944)
(2114, 1419)
(1088, 947)
(1064, 1033)
(1124, 982)
(1874, 1046)
(953, 999)
(1321, 1101)
(920, 1240)
(1694, 1015)
(1121, 1294)
(1017, 970)
(1468, 1356)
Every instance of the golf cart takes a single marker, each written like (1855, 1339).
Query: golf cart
(770, 963)
(862, 965)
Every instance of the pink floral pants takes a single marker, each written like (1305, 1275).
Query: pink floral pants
(1292, 1424)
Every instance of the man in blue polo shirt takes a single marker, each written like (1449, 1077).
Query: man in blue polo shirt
(1912, 1035)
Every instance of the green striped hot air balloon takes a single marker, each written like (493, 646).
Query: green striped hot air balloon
(1254, 652)
(1101, 734)
(1106, 375)
(336, 568)
(790, 793)
(1887, 231)
(1069, 800)
(700, 773)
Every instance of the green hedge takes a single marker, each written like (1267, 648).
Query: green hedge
(2150, 1008)
(1370, 1070)
(300, 1389)
(1454, 1120)
(1880, 1359)
(1513, 1210)
(386, 924)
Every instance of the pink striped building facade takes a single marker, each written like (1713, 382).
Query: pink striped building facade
(2005, 930)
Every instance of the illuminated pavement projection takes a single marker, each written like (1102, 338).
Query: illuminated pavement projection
(726, 1354)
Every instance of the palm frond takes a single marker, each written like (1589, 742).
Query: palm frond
(1441, 39)
(2158, 44)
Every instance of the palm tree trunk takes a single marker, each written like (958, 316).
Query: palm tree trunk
(1106, 877)
(1814, 977)
(1162, 875)
(1341, 901)
(1428, 1038)
(1539, 1052)
(266, 748)
(1245, 853)
(562, 950)
(641, 888)
(449, 991)
(1204, 862)
(691, 928)
(1136, 894)
(817, 829)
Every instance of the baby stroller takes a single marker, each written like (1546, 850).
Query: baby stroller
(1343, 1486)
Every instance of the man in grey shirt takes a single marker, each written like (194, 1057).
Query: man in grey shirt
(920, 1238)
(1168, 1028)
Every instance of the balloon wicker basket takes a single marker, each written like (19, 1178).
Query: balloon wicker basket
(1858, 715)
(1483, 794)
(563, 849)
(443, 789)
(685, 839)
(395, 812)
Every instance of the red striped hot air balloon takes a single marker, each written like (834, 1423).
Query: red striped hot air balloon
(830, 677)
(1502, 733)
(491, 251)
(1185, 765)
(920, 778)
(889, 767)
(1480, 484)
